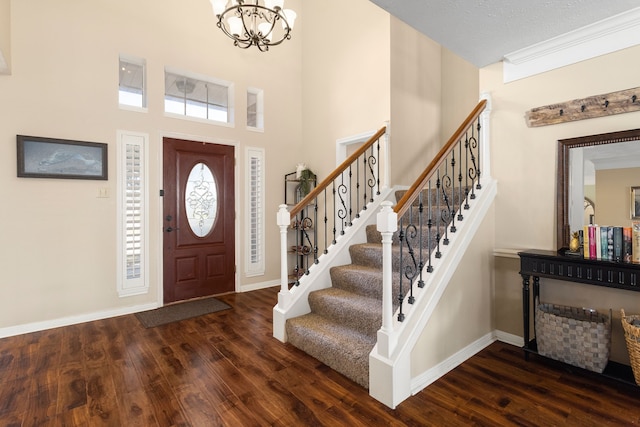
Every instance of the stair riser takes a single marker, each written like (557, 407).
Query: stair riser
(364, 319)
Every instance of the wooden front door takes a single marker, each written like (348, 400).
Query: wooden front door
(198, 219)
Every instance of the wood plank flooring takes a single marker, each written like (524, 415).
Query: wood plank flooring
(226, 369)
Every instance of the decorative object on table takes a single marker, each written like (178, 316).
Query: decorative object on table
(60, 158)
(577, 336)
(631, 326)
(306, 178)
(574, 244)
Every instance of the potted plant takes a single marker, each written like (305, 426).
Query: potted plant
(306, 178)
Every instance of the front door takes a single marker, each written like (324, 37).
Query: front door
(198, 219)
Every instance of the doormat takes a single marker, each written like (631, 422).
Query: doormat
(181, 311)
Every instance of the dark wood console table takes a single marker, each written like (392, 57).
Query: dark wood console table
(552, 265)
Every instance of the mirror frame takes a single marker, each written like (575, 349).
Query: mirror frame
(562, 176)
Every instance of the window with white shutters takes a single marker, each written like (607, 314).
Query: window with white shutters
(132, 209)
(255, 211)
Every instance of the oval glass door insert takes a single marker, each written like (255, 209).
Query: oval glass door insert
(201, 200)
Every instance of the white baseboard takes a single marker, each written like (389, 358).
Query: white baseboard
(508, 338)
(261, 285)
(72, 320)
(430, 376)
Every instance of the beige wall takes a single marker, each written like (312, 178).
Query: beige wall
(416, 92)
(613, 192)
(524, 163)
(346, 76)
(464, 313)
(58, 255)
(460, 92)
(5, 35)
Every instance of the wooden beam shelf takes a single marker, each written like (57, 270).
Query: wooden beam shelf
(624, 101)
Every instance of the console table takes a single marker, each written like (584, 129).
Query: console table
(572, 268)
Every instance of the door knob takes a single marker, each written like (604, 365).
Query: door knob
(170, 229)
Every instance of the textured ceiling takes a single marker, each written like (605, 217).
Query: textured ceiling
(484, 31)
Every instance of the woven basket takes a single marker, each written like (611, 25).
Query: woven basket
(573, 335)
(632, 338)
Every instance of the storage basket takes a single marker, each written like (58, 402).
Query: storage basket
(632, 338)
(577, 336)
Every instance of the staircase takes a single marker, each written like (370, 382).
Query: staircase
(340, 331)
(378, 273)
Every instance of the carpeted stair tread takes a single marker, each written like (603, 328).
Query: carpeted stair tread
(341, 348)
(363, 314)
(361, 279)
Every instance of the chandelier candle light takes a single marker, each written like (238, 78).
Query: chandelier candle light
(250, 23)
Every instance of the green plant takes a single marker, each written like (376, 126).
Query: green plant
(307, 177)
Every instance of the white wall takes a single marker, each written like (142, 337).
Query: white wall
(58, 257)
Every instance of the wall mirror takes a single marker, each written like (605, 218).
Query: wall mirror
(578, 161)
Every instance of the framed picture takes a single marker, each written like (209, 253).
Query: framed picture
(60, 158)
(635, 203)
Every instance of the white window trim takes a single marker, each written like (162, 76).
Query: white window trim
(129, 287)
(255, 268)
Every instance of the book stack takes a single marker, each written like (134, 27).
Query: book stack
(611, 243)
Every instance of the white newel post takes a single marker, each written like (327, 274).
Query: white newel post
(387, 221)
(283, 220)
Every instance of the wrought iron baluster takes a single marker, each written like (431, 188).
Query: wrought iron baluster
(458, 203)
(439, 215)
(342, 209)
(452, 185)
(315, 232)
(421, 240)
(401, 293)
(364, 180)
(478, 186)
(350, 197)
(429, 228)
(326, 224)
(378, 164)
(358, 188)
(333, 186)
(466, 167)
(371, 182)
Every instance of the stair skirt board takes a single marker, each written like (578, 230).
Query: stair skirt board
(341, 329)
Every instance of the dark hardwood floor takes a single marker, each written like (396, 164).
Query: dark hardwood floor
(226, 369)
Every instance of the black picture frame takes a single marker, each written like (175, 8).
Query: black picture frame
(40, 157)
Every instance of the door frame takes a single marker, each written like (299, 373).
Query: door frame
(159, 205)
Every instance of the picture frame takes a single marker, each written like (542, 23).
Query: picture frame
(40, 157)
(635, 202)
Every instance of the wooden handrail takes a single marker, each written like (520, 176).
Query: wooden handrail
(333, 175)
(403, 205)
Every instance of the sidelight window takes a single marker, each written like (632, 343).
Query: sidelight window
(133, 218)
(255, 211)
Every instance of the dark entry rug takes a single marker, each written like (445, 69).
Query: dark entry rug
(181, 311)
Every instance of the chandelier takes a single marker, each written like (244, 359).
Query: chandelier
(250, 23)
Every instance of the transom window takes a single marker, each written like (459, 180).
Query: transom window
(198, 98)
